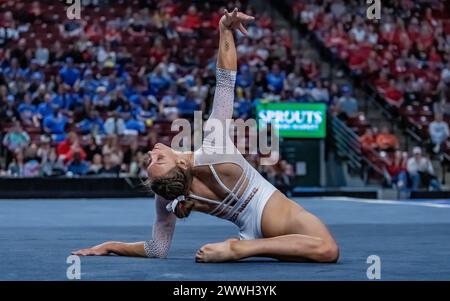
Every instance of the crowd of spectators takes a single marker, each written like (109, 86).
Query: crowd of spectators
(91, 96)
(405, 57)
(406, 171)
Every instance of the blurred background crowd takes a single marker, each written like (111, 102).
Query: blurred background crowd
(92, 96)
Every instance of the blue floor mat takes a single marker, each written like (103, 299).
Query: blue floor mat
(36, 236)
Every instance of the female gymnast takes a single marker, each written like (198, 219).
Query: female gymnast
(224, 184)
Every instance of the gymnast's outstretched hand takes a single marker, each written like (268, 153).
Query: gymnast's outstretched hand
(98, 250)
(133, 249)
(235, 20)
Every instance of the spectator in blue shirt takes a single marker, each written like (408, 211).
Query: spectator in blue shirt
(135, 99)
(148, 108)
(188, 105)
(27, 110)
(16, 139)
(91, 124)
(128, 87)
(36, 79)
(27, 105)
(46, 108)
(55, 124)
(78, 166)
(302, 93)
(308, 97)
(101, 100)
(14, 72)
(133, 124)
(275, 79)
(347, 105)
(158, 82)
(65, 99)
(112, 81)
(244, 107)
(69, 73)
(244, 78)
(89, 84)
(57, 100)
(125, 108)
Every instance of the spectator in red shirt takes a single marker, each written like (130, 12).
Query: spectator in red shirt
(215, 18)
(434, 56)
(393, 94)
(386, 141)
(35, 9)
(265, 21)
(112, 34)
(358, 57)
(335, 38)
(94, 32)
(426, 36)
(396, 170)
(190, 21)
(68, 147)
(158, 52)
(382, 83)
(368, 140)
(310, 68)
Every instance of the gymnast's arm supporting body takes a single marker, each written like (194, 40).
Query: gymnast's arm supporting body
(157, 247)
(163, 228)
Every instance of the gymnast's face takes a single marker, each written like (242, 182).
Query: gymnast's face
(162, 159)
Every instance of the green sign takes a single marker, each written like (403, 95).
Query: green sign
(294, 120)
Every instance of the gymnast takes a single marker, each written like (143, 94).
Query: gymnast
(215, 181)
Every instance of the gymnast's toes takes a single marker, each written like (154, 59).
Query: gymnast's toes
(218, 252)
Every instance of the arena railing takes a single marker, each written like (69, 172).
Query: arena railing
(349, 147)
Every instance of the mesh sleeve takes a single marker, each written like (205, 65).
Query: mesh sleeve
(163, 228)
(224, 94)
(221, 112)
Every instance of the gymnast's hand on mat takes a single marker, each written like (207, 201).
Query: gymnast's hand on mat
(99, 250)
(235, 20)
(132, 249)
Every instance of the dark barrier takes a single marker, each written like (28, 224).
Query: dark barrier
(323, 192)
(88, 187)
(13, 188)
(430, 195)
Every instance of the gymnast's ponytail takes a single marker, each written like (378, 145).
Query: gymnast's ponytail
(175, 187)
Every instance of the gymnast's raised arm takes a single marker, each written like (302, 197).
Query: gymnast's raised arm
(227, 63)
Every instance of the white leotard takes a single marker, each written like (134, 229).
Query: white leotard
(244, 202)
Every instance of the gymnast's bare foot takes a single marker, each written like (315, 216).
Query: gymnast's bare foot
(217, 252)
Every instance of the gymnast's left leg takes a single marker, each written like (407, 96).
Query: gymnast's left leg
(290, 234)
(292, 247)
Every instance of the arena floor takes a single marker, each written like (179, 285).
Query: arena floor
(411, 238)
